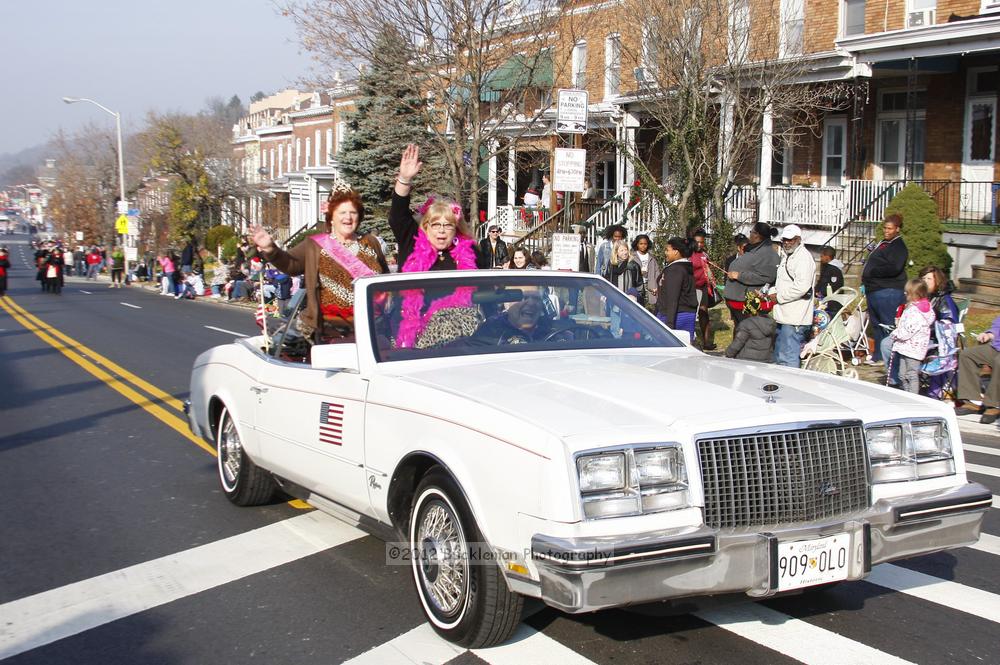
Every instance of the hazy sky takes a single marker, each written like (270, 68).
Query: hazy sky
(133, 56)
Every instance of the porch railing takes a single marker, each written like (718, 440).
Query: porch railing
(539, 237)
(513, 220)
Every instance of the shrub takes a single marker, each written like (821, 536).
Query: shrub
(229, 249)
(922, 230)
(218, 235)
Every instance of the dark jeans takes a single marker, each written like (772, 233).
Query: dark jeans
(882, 306)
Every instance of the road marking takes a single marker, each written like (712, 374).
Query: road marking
(987, 542)
(87, 292)
(996, 501)
(97, 358)
(128, 305)
(794, 638)
(981, 449)
(422, 645)
(936, 590)
(985, 470)
(43, 618)
(166, 417)
(228, 332)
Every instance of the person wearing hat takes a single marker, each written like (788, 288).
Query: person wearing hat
(793, 297)
(754, 337)
(492, 250)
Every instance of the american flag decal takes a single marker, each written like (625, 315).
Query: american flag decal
(331, 423)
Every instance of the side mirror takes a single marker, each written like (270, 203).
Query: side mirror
(342, 357)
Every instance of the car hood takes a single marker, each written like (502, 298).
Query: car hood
(573, 394)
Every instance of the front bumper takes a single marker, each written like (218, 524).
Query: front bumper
(587, 574)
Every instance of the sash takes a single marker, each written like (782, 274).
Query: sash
(349, 262)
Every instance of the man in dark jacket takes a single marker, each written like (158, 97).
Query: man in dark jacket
(884, 278)
(492, 250)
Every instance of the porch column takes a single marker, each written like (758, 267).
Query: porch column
(511, 175)
(766, 150)
(313, 205)
(626, 168)
(491, 191)
(723, 165)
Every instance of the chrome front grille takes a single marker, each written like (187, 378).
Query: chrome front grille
(783, 477)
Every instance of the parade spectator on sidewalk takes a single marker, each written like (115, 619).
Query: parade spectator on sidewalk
(831, 275)
(169, 286)
(793, 297)
(705, 288)
(970, 360)
(624, 272)
(612, 234)
(884, 277)
(220, 275)
(330, 262)
(68, 263)
(117, 267)
(519, 260)
(756, 268)
(93, 260)
(492, 250)
(677, 302)
(187, 257)
(648, 266)
(754, 336)
(912, 335)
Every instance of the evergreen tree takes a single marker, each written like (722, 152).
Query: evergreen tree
(922, 229)
(389, 114)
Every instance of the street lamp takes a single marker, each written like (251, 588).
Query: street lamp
(121, 162)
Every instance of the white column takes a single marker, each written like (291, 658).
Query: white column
(766, 148)
(511, 175)
(313, 206)
(491, 191)
(626, 169)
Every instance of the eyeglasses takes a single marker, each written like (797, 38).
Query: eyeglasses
(494, 231)
(438, 226)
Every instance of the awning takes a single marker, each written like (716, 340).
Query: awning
(519, 71)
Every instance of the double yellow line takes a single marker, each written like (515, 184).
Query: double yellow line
(116, 377)
(110, 373)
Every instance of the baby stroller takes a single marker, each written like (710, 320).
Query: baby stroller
(825, 351)
(938, 370)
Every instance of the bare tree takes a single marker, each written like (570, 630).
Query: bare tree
(488, 67)
(707, 72)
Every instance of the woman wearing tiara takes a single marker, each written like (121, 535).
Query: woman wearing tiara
(330, 262)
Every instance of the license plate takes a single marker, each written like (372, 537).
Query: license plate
(809, 562)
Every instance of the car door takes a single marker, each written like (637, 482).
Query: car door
(311, 428)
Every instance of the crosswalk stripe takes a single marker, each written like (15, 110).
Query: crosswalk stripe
(527, 646)
(794, 638)
(996, 501)
(985, 470)
(936, 590)
(422, 645)
(981, 449)
(987, 542)
(52, 615)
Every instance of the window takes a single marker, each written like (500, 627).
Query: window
(739, 31)
(612, 65)
(308, 151)
(298, 155)
(281, 158)
(890, 138)
(920, 13)
(341, 131)
(792, 20)
(852, 19)
(270, 165)
(981, 125)
(329, 146)
(319, 146)
(580, 65)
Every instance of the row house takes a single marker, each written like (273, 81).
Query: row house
(920, 84)
(287, 146)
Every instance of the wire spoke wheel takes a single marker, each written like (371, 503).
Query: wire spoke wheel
(443, 562)
(230, 454)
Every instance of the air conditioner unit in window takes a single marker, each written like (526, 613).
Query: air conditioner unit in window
(920, 19)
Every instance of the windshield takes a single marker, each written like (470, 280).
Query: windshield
(525, 311)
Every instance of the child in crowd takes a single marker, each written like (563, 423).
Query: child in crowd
(754, 337)
(912, 335)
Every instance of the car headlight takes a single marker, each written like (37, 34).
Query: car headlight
(601, 472)
(910, 450)
(632, 481)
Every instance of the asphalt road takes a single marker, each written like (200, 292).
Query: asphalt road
(116, 545)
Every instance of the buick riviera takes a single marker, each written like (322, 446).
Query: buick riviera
(539, 434)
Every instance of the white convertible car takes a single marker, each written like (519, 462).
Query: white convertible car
(533, 433)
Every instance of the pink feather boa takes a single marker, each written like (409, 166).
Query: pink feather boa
(421, 259)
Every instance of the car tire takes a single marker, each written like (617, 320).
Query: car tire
(484, 611)
(243, 482)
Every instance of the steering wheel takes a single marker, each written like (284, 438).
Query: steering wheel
(575, 332)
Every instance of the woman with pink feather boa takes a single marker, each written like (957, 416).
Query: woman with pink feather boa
(441, 240)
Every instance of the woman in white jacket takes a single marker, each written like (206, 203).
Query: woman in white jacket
(793, 309)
